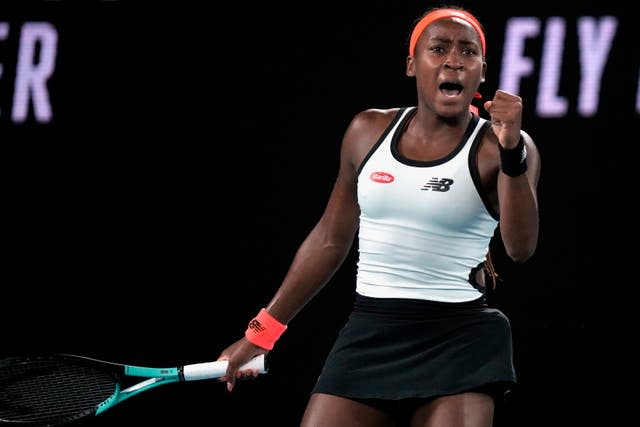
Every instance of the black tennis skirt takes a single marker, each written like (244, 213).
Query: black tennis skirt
(395, 349)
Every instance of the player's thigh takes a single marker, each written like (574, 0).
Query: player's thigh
(465, 409)
(324, 410)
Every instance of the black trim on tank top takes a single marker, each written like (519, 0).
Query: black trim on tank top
(382, 137)
(427, 163)
(475, 173)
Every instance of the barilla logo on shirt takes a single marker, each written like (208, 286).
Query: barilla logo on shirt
(381, 177)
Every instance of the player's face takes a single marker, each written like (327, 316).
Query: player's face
(448, 65)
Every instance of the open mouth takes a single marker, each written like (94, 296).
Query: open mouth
(451, 89)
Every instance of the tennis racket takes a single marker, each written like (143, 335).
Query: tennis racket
(52, 390)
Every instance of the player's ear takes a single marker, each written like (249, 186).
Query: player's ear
(411, 72)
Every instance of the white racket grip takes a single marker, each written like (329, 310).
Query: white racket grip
(217, 369)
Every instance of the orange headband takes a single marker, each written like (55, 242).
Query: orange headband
(436, 15)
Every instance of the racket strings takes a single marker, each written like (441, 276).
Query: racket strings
(43, 391)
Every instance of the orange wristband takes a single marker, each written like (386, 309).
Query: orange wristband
(264, 330)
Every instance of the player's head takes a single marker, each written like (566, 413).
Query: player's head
(446, 56)
(452, 13)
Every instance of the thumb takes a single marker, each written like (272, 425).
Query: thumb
(487, 106)
(230, 376)
(231, 382)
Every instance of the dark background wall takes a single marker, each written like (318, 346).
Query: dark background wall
(191, 147)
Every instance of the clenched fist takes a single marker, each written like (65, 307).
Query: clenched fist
(505, 110)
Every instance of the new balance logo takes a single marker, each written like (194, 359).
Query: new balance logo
(436, 184)
(256, 326)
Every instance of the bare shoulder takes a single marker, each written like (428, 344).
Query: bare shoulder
(373, 117)
(365, 130)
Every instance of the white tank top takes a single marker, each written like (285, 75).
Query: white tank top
(423, 224)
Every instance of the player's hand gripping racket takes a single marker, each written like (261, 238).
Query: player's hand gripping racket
(51, 390)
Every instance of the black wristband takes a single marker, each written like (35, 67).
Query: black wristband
(513, 161)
